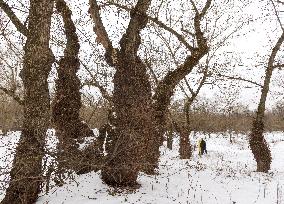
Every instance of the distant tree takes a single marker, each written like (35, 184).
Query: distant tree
(229, 102)
(11, 114)
(185, 130)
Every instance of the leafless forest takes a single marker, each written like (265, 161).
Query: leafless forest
(137, 71)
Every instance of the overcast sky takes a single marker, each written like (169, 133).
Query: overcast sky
(249, 48)
(253, 46)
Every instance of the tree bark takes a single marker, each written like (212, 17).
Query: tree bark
(185, 150)
(259, 147)
(26, 173)
(132, 129)
(185, 146)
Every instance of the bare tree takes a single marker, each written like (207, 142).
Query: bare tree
(26, 173)
(257, 141)
(140, 117)
(131, 99)
(67, 102)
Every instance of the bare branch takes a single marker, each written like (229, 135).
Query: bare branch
(12, 94)
(205, 9)
(160, 24)
(240, 79)
(95, 83)
(203, 80)
(194, 7)
(276, 13)
(102, 36)
(167, 45)
(176, 63)
(131, 40)
(184, 91)
(152, 71)
(167, 85)
(12, 16)
(278, 66)
(188, 32)
(189, 87)
(175, 33)
(201, 40)
(13, 48)
(275, 49)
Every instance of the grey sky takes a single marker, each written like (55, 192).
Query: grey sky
(250, 47)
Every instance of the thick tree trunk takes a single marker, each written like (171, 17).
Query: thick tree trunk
(67, 102)
(185, 151)
(259, 147)
(185, 147)
(132, 128)
(26, 173)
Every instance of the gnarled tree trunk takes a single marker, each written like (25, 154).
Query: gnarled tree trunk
(26, 173)
(67, 102)
(140, 119)
(132, 128)
(259, 147)
(133, 124)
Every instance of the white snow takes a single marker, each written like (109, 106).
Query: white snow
(226, 175)
(7, 147)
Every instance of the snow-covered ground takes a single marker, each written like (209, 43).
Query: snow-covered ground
(226, 175)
